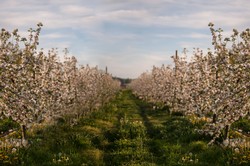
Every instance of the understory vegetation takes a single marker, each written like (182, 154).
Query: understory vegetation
(125, 131)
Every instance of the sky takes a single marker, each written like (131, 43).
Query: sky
(127, 36)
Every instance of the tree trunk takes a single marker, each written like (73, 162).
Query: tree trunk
(24, 140)
(226, 141)
(214, 118)
(23, 132)
(227, 128)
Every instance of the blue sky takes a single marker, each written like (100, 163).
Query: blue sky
(127, 36)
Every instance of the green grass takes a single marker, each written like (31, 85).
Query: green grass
(7, 124)
(242, 124)
(126, 131)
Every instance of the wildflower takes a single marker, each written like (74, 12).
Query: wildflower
(237, 150)
(13, 150)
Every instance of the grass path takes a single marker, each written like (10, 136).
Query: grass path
(116, 135)
(126, 131)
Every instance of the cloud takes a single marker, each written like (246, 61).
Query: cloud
(195, 35)
(129, 36)
(53, 36)
(75, 14)
(76, 10)
(164, 36)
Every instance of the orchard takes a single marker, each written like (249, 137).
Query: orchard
(214, 86)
